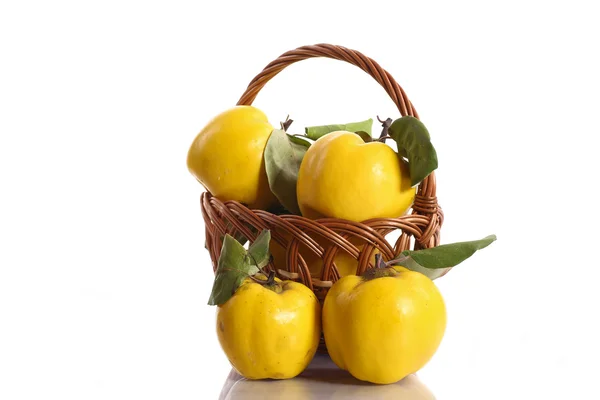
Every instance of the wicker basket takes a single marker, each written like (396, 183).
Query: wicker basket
(419, 228)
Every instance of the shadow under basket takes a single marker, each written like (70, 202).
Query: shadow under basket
(320, 241)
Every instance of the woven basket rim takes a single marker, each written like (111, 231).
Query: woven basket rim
(232, 217)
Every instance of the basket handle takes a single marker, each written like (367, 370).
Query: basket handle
(353, 57)
(425, 201)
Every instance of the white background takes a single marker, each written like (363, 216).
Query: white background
(103, 275)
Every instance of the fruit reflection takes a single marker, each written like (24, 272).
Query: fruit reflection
(323, 380)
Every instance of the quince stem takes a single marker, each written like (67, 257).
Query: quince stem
(385, 131)
(381, 270)
(379, 263)
(285, 125)
(270, 283)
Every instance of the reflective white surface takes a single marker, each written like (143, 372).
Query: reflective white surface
(322, 380)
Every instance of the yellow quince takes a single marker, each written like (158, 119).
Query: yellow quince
(341, 176)
(226, 157)
(384, 325)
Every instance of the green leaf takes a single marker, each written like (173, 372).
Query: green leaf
(283, 156)
(436, 261)
(366, 137)
(233, 267)
(259, 250)
(299, 139)
(315, 132)
(448, 255)
(414, 143)
(428, 272)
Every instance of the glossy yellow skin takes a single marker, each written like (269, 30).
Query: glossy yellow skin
(226, 157)
(382, 330)
(266, 334)
(343, 177)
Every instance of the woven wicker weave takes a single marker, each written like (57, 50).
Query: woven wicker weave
(420, 227)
